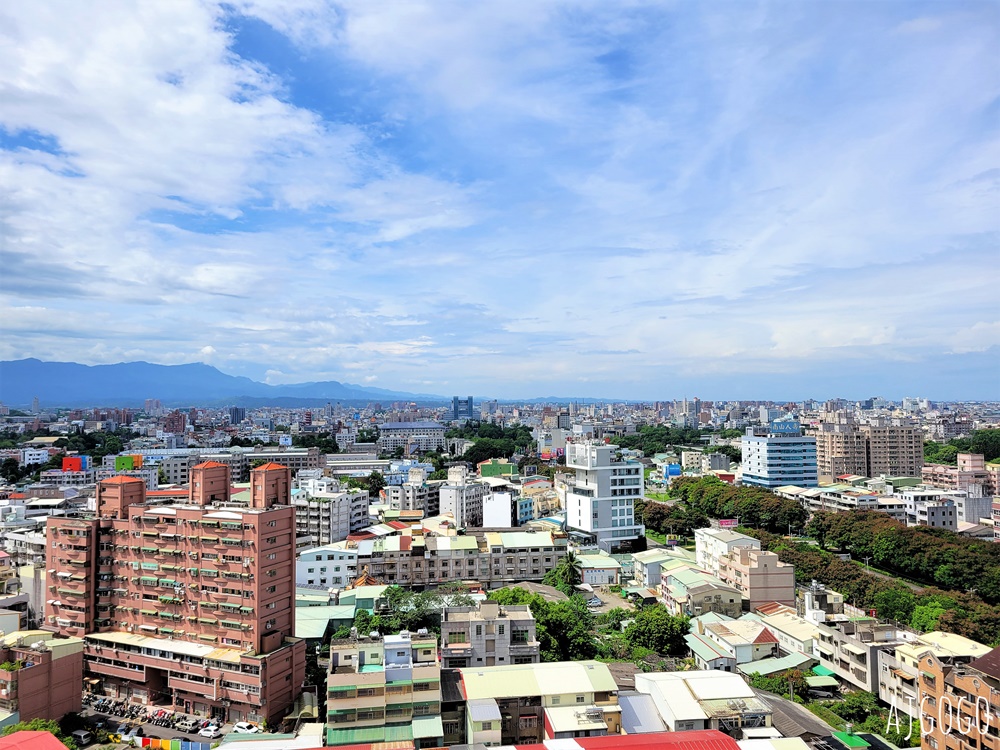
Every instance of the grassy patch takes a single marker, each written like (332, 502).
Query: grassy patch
(827, 715)
(656, 536)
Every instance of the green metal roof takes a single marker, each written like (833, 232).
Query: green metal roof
(822, 682)
(400, 732)
(355, 736)
(705, 648)
(426, 727)
(767, 667)
(851, 740)
(822, 671)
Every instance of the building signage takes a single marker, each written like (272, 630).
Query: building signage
(728, 523)
(785, 428)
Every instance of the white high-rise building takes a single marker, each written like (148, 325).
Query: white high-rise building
(781, 457)
(599, 500)
(463, 497)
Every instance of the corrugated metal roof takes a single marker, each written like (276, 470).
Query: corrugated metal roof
(639, 714)
(483, 709)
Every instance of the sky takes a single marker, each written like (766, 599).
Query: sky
(643, 200)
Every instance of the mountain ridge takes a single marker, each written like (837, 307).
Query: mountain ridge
(71, 384)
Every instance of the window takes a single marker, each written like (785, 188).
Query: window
(500, 629)
(579, 699)
(555, 700)
(479, 629)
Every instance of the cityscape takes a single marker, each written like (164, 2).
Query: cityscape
(412, 375)
(437, 574)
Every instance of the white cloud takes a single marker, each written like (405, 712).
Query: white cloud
(498, 194)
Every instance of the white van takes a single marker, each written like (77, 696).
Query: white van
(82, 737)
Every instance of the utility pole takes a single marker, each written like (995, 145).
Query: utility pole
(866, 563)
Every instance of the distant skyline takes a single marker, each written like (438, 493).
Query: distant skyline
(636, 201)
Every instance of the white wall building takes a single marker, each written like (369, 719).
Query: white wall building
(332, 565)
(781, 457)
(599, 501)
(463, 498)
(710, 545)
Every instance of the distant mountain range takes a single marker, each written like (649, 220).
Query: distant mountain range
(130, 383)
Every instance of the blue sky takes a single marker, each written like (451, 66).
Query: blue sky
(634, 200)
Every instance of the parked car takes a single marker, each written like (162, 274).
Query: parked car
(211, 732)
(136, 731)
(82, 737)
(245, 727)
(188, 725)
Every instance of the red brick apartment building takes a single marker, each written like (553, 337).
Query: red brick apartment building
(188, 604)
(40, 674)
(960, 702)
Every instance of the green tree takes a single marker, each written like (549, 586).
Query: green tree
(565, 631)
(857, 706)
(656, 629)
(42, 725)
(986, 442)
(895, 604)
(925, 616)
(10, 470)
(374, 485)
(567, 574)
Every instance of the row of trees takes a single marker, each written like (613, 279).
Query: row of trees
(678, 518)
(934, 556)
(964, 613)
(753, 506)
(652, 439)
(986, 442)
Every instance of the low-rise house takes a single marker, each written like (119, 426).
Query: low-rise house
(692, 592)
(41, 676)
(705, 699)
(488, 635)
(744, 640)
(600, 570)
(547, 701)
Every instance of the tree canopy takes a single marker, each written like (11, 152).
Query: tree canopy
(986, 442)
(753, 506)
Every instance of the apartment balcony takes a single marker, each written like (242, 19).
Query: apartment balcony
(136, 672)
(189, 682)
(524, 649)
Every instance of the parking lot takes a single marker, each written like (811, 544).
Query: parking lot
(149, 729)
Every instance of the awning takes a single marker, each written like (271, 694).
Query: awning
(822, 671)
(91, 680)
(819, 681)
(903, 675)
(853, 649)
(427, 727)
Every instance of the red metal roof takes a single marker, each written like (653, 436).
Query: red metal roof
(765, 636)
(210, 465)
(26, 740)
(121, 480)
(271, 466)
